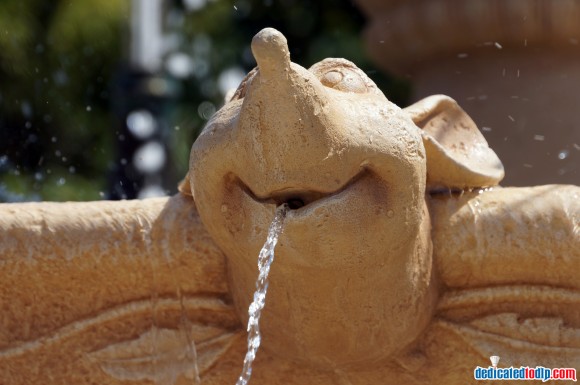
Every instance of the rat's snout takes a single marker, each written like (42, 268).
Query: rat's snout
(285, 122)
(270, 50)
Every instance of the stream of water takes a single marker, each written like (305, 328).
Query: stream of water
(265, 259)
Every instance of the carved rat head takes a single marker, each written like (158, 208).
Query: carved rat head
(353, 281)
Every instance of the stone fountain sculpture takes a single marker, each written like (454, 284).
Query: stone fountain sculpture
(402, 261)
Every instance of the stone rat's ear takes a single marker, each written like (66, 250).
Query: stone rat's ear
(184, 186)
(458, 156)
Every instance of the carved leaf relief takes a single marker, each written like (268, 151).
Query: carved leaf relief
(162, 355)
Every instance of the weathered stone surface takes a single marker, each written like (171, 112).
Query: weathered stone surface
(406, 264)
(82, 284)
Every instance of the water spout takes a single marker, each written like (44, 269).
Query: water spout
(265, 259)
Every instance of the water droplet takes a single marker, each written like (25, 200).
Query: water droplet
(563, 154)
(89, 108)
(390, 213)
(60, 182)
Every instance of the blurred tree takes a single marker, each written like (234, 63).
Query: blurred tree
(58, 61)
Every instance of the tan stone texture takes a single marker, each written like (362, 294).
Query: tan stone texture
(78, 278)
(405, 264)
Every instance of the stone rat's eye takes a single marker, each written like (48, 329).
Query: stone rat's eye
(331, 78)
(342, 75)
(344, 79)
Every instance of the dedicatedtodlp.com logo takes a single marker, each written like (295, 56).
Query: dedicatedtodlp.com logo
(539, 373)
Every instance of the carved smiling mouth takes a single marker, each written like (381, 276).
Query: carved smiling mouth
(300, 198)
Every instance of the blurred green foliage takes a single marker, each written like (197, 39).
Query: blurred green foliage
(58, 60)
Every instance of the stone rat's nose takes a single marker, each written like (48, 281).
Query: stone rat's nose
(286, 125)
(270, 49)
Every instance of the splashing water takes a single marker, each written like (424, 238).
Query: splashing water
(265, 259)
